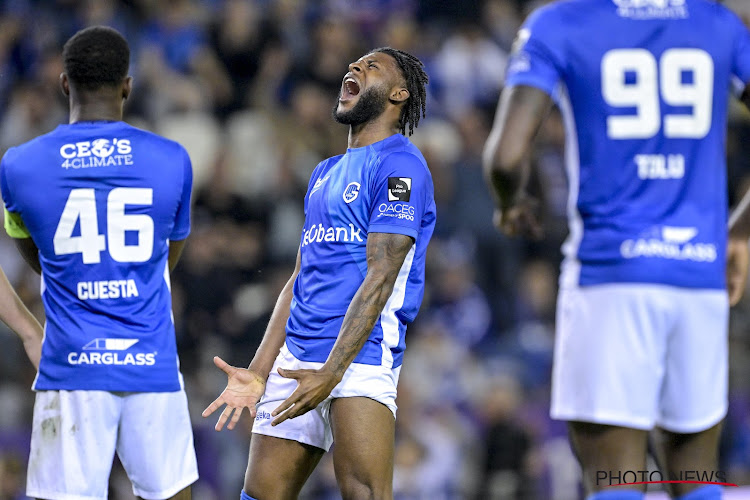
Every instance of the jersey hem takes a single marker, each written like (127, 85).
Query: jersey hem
(171, 387)
(608, 279)
(179, 236)
(366, 360)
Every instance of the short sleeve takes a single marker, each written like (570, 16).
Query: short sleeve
(4, 185)
(741, 56)
(400, 192)
(182, 220)
(534, 59)
(13, 222)
(15, 226)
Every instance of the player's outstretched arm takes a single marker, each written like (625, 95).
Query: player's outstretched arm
(738, 253)
(245, 386)
(385, 256)
(519, 116)
(19, 319)
(30, 253)
(175, 252)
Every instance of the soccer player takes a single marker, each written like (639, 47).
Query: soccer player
(643, 88)
(102, 210)
(328, 366)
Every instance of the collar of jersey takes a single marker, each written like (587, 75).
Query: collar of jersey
(376, 145)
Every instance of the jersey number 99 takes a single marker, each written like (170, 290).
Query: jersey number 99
(683, 77)
(81, 207)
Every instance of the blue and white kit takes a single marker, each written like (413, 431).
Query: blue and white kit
(644, 93)
(643, 89)
(382, 188)
(101, 200)
(385, 187)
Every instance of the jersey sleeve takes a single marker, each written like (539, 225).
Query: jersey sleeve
(536, 59)
(741, 56)
(14, 224)
(400, 191)
(182, 220)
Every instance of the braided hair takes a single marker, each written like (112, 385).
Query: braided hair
(413, 71)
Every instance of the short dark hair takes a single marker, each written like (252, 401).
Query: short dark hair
(414, 74)
(95, 57)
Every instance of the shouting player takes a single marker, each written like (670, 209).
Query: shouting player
(643, 88)
(102, 210)
(328, 366)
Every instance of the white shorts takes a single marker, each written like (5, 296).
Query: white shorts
(314, 427)
(639, 356)
(76, 434)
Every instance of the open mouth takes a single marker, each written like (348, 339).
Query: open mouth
(349, 89)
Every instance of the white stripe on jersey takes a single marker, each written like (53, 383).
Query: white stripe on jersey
(571, 269)
(168, 280)
(388, 320)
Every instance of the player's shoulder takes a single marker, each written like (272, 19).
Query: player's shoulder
(401, 152)
(34, 146)
(326, 164)
(154, 139)
(713, 7)
(330, 161)
(556, 14)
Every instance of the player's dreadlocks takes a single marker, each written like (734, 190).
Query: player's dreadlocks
(416, 79)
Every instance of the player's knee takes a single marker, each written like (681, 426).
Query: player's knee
(357, 489)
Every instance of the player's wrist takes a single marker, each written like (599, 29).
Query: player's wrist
(516, 199)
(335, 373)
(260, 370)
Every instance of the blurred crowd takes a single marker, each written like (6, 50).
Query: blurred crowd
(247, 86)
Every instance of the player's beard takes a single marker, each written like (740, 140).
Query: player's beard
(370, 105)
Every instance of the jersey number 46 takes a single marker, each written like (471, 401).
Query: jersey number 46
(632, 78)
(81, 208)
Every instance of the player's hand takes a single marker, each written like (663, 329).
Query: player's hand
(244, 390)
(520, 219)
(312, 388)
(738, 256)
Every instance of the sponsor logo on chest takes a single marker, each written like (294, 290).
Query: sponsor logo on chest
(97, 153)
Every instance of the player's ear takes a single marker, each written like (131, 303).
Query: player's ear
(64, 84)
(127, 87)
(399, 95)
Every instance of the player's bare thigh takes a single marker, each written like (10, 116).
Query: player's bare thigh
(363, 436)
(278, 468)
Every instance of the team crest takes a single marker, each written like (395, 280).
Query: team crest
(351, 192)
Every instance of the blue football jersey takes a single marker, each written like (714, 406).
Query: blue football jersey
(382, 188)
(101, 200)
(643, 87)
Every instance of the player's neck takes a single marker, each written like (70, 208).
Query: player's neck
(369, 133)
(94, 106)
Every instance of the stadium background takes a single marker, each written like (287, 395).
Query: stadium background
(247, 86)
